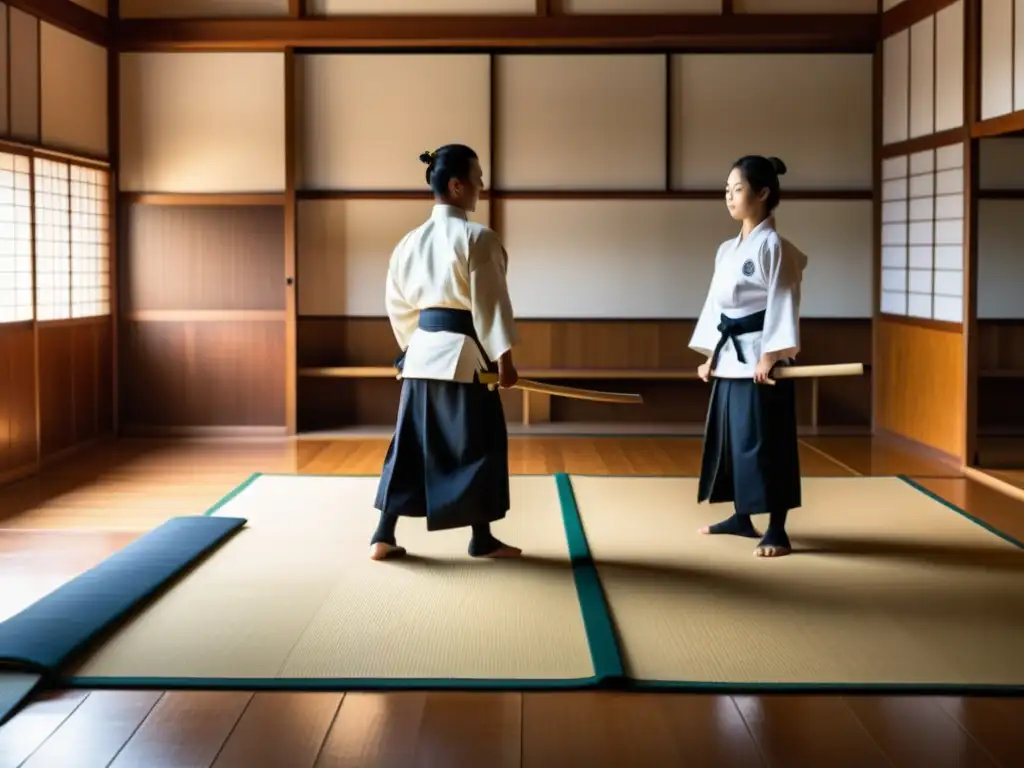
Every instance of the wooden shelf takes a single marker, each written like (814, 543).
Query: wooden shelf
(537, 407)
(351, 372)
(623, 374)
(1001, 374)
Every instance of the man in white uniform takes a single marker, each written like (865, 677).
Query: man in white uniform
(447, 299)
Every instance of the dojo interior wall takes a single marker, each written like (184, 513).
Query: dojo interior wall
(156, 9)
(56, 380)
(999, 306)
(611, 207)
(1000, 324)
(928, 192)
(202, 286)
(919, 341)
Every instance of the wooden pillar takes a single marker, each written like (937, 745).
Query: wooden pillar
(972, 115)
(291, 155)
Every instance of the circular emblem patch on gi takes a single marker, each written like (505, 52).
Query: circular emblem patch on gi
(748, 267)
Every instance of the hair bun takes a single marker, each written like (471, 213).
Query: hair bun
(427, 157)
(778, 165)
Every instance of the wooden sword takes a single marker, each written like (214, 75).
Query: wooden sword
(556, 390)
(814, 371)
(576, 393)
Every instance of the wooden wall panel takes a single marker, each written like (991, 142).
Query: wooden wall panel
(920, 384)
(399, 116)
(820, 118)
(996, 57)
(645, 344)
(805, 6)
(74, 393)
(587, 121)
(197, 9)
(890, 4)
(896, 87)
(1001, 371)
(1000, 260)
(202, 333)
(329, 403)
(17, 399)
(188, 374)
(1001, 164)
(923, 76)
(1001, 346)
(106, 407)
(949, 67)
(23, 48)
(1018, 55)
(73, 81)
(415, 7)
(642, 6)
(202, 258)
(4, 73)
(56, 378)
(202, 122)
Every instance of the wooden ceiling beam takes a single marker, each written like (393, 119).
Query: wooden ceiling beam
(738, 32)
(908, 13)
(68, 16)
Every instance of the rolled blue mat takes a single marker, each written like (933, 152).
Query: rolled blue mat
(44, 636)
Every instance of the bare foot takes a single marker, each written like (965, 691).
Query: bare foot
(384, 551)
(770, 551)
(504, 551)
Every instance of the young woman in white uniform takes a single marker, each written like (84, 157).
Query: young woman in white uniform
(750, 324)
(450, 311)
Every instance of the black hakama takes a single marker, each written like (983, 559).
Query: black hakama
(751, 454)
(448, 458)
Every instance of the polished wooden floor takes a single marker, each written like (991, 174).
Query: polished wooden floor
(73, 515)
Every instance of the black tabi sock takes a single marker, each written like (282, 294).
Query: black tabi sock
(483, 542)
(385, 533)
(776, 535)
(737, 525)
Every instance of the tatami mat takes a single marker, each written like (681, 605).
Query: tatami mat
(293, 598)
(888, 587)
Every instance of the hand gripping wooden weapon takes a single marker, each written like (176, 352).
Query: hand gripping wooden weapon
(814, 371)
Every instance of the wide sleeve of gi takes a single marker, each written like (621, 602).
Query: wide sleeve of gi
(706, 334)
(404, 316)
(493, 318)
(782, 274)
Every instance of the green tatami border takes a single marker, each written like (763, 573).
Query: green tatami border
(962, 512)
(597, 617)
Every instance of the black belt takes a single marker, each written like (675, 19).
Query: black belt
(434, 319)
(733, 328)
